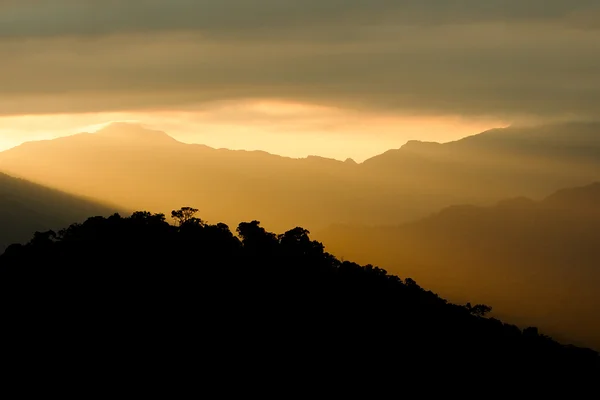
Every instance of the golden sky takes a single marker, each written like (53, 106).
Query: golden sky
(284, 128)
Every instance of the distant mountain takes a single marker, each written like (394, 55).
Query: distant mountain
(26, 207)
(499, 163)
(146, 169)
(535, 260)
(584, 199)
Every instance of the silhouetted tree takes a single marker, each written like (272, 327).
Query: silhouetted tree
(185, 215)
(411, 283)
(43, 238)
(148, 217)
(531, 331)
(256, 239)
(479, 310)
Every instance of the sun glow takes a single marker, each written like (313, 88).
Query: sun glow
(279, 127)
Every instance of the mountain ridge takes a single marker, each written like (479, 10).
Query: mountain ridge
(398, 186)
(515, 251)
(139, 131)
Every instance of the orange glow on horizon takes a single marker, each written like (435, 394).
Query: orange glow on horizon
(280, 127)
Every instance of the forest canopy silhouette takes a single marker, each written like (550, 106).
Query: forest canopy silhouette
(280, 295)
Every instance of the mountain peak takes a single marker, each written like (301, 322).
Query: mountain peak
(134, 132)
(420, 145)
(583, 197)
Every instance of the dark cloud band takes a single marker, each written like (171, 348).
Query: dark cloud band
(501, 58)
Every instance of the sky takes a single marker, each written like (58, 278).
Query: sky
(337, 78)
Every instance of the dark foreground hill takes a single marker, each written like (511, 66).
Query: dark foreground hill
(140, 292)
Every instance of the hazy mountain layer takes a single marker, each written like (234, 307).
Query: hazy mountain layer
(496, 164)
(149, 170)
(535, 261)
(146, 169)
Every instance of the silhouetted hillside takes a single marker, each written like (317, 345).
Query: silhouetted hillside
(145, 169)
(260, 302)
(535, 261)
(26, 207)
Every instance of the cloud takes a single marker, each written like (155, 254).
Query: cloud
(213, 17)
(504, 58)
